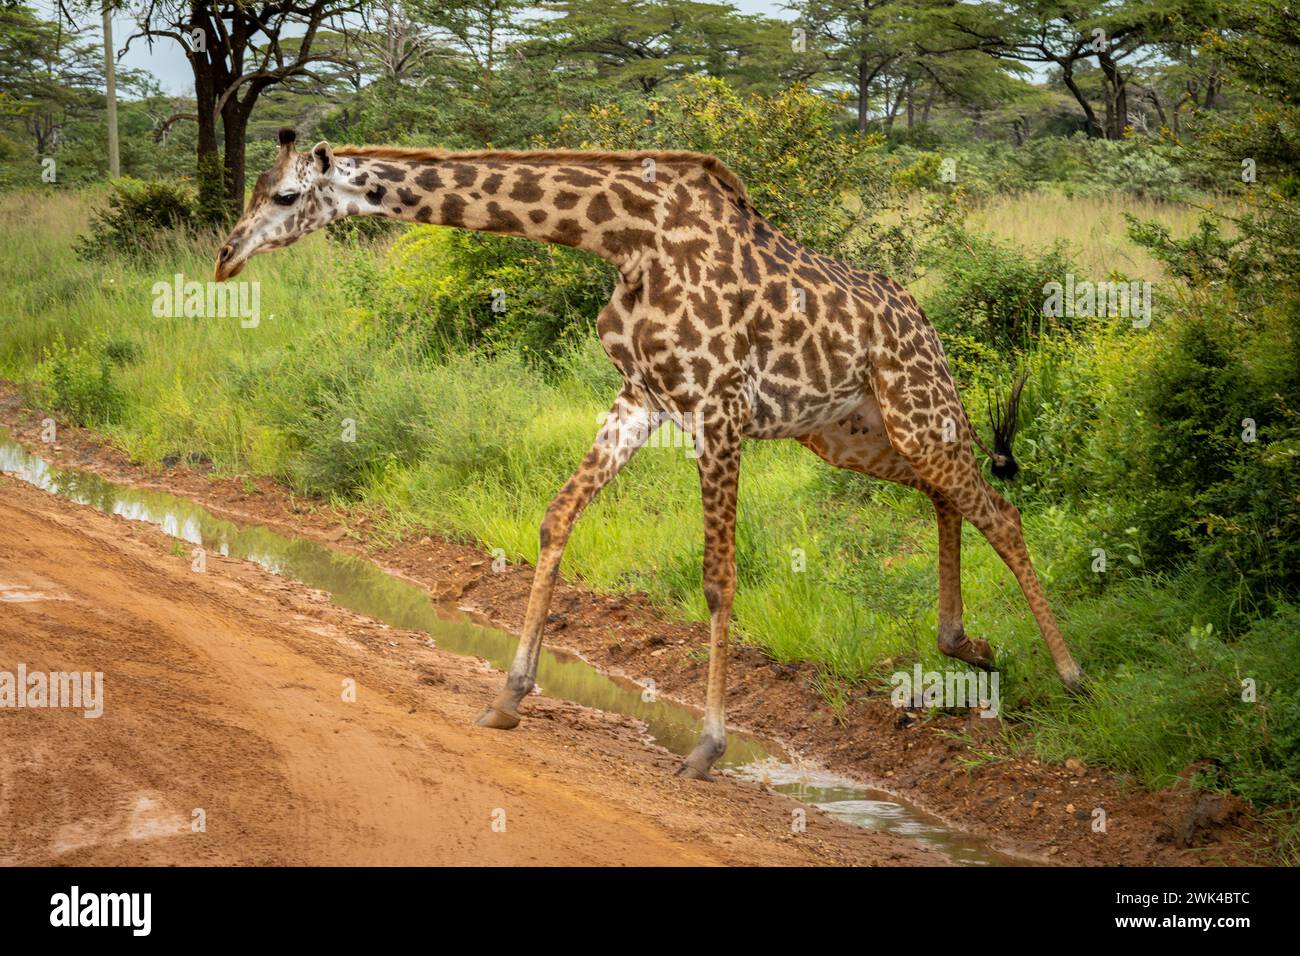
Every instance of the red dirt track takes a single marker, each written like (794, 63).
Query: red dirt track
(223, 692)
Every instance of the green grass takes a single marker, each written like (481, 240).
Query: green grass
(474, 448)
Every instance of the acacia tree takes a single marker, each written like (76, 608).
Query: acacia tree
(49, 75)
(1115, 36)
(394, 43)
(855, 42)
(642, 44)
(887, 50)
(237, 49)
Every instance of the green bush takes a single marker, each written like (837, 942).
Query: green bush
(1208, 493)
(1135, 166)
(139, 219)
(80, 381)
(443, 288)
(1077, 164)
(977, 170)
(1207, 257)
(992, 291)
(1261, 256)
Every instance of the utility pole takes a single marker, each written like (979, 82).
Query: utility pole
(110, 77)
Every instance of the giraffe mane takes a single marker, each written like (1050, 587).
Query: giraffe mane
(711, 164)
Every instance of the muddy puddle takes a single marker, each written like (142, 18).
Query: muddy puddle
(361, 586)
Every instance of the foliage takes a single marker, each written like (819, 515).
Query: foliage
(80, 381)
(138, 219)
(1078, 164)
(444, 288)
(610, 46)
(991, 291)
(1220, 405)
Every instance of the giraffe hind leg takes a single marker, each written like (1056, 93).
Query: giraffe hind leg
(953, 639)
(935, 440)
(860, 443)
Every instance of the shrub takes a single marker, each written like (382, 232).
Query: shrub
(1135, 166)
(1264, 253)
(443, 287)
(991, 291)
(1209, 493)
(140, 217)
(80, 381)
(122, 351)
(978, 170)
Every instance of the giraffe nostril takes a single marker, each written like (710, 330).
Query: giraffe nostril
(224, 254)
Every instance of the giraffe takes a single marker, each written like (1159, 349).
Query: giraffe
(718, 322)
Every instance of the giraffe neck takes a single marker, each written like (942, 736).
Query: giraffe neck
(605, 206)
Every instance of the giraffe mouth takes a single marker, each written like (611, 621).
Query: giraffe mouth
(228, 268)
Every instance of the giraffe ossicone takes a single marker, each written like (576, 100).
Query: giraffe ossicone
(718, 323)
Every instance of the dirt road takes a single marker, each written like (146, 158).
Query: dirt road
(224, 704)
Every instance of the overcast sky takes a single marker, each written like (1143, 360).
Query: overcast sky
(168, 64)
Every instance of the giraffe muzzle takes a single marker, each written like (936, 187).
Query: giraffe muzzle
(229, 263)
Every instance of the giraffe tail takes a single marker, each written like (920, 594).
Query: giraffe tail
(1004, 417)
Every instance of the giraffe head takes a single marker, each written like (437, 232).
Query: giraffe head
(298, 195)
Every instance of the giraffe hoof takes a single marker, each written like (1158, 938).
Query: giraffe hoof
(498, 719)
(1074, 684)
(979, 653)
(693, 773)
(973, 650)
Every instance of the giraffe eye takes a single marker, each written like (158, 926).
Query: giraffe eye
(285, 199)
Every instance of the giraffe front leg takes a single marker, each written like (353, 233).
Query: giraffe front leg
(627, 427)
(953, 639)
(719, 464)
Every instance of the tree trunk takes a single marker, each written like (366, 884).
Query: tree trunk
(892, 104)
(929, 102)
(1095, 130)
(864, 81)
(1154, 96)
(208, 155)
(1115, 85)
(234, 123)
(1213, 87)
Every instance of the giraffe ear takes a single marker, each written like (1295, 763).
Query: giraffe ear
(324, 157)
